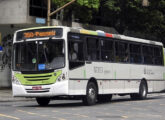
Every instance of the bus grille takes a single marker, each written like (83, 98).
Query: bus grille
(37, 78)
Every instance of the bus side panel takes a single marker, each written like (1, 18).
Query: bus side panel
(159, 81)
(77, 81)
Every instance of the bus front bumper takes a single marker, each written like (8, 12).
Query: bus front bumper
(57, 89)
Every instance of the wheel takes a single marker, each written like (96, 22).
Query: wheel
(143, 90)
(104, 98)
(43, 101)
(91, 94)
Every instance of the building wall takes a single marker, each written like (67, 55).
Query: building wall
(13, 11)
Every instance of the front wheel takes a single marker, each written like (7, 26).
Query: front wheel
(91, 94)
(43, 101)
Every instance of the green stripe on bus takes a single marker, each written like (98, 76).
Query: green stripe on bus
(89, 32)
(38, 79)
(115, 75)
(164, 76)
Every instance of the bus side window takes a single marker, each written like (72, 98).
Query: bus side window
(93, 51)
(122, 52)
(147, 54)
(158, 56)
(76, 54)
(107, 50)
(135, 53)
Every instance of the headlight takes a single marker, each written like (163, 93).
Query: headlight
(15, 80)
(61, 77)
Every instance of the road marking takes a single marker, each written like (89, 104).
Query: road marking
(80, 115)
(59, 118)
(55, 111)
(27, 112)
(44, 115)
(7, 116)
(125, 117)
(162, 104)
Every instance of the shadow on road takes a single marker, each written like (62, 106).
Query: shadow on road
(78, 103)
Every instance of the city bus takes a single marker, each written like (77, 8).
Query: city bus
(64, 62)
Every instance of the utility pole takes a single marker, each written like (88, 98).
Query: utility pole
(48, 14)
(54, 12)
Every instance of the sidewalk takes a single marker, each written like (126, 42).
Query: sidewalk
(6, 96)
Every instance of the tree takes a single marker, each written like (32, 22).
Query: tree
(132, 16)
(81, 9)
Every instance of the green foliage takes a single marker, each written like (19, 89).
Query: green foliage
(82, 9)
(86, 3)
(131, 15)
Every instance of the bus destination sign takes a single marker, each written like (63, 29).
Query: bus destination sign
(39, 33)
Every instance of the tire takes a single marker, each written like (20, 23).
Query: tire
(43, 101)
(143, 90)
(91, 94)
(104, 98)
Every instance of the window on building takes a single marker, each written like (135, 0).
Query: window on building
(38, 8)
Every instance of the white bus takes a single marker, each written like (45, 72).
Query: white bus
(59, 61)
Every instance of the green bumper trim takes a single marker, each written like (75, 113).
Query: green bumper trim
(38, 79)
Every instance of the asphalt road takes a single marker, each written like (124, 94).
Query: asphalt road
(120, 108)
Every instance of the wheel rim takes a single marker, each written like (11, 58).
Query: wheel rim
(144, 91)
(92, 93)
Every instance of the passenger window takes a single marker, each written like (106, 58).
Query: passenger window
(76, 54)
(93, 52)
(158, 56)
(148, 55)
(107, 50)
(122, 52)
(135, 53)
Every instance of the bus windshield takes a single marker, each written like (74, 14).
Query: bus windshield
(39, 55)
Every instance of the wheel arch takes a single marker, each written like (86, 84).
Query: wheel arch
(94, 80)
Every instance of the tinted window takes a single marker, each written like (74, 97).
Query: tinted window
(107, 50)
(147, 54)
(122, 52)
(158, 56)
(93, 52)
(135, 53)
(76, 52)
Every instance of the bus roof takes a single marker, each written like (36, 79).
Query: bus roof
(99, 33)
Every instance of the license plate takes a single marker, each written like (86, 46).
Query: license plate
(37, 88)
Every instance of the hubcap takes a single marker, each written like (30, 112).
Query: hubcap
(144, 91)
(91, 93)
